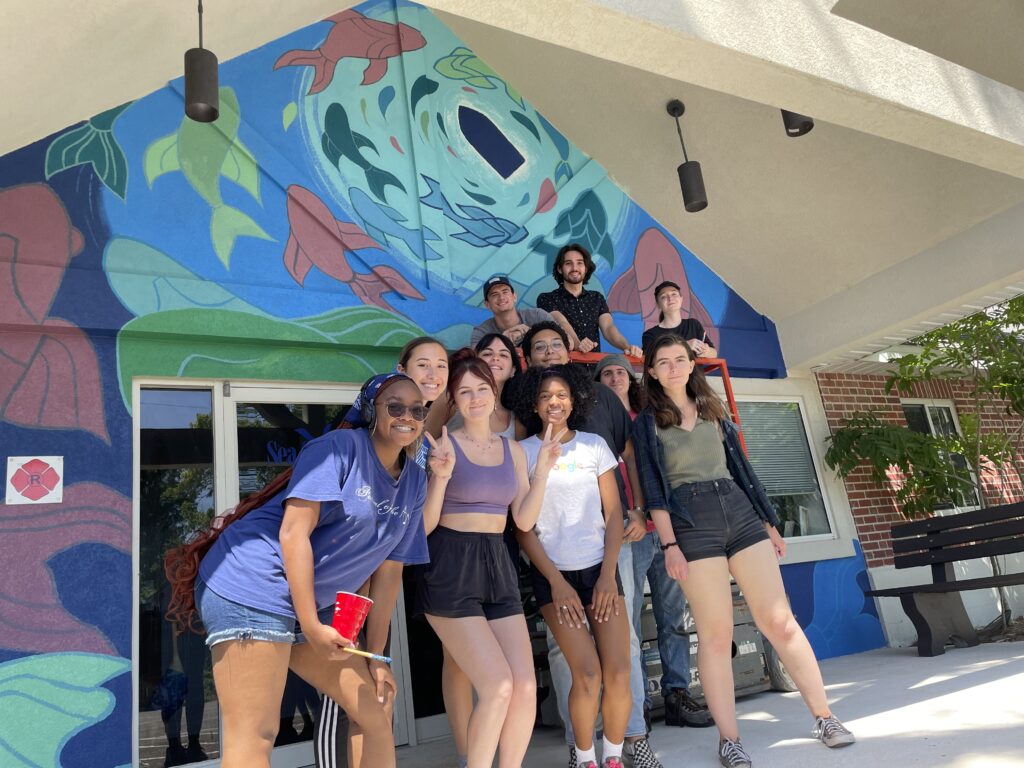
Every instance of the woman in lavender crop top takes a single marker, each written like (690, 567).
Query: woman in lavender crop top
(470, 591)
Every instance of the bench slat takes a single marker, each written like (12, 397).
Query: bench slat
(985, 582)
(959, 520)
(960, 536)
(967, 552)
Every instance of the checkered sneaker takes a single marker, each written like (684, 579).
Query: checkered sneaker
(830, 732)
(732, 755)
(612, 762)
(642, 754)
(572, 757)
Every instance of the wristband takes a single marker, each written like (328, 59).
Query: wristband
(670, 544)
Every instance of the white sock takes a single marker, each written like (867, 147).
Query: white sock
(610, 750)
(583, 755)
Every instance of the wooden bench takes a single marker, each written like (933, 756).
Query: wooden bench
(937, 609)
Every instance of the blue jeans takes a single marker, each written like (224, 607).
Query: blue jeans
(561, 676)
(669, 605)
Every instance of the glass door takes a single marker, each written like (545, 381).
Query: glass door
(269, 426)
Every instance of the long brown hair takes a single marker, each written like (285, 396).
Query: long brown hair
(666, 412)
(463, 361)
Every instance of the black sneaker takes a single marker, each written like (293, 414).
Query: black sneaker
(642, 755)
(682, 709)
(732, 755)
(830, 732)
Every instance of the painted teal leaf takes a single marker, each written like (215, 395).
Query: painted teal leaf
(363, 325)
(46, 700)
(161, 157)
(92, 144)
(146, 280)
(423, 86)
(526, 122)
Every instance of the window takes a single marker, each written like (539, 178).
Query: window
(938, 418)
(777, 447)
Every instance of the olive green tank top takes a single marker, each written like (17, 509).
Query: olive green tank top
(693, 457)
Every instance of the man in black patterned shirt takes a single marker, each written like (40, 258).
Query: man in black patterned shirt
(586, 311)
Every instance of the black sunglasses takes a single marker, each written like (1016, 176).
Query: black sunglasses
(398, 410)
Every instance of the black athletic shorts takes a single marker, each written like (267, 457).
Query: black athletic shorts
(470, 574)
(582, 581)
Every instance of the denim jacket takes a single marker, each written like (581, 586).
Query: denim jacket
(650, 460)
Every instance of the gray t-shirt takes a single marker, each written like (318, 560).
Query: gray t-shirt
(527, 315)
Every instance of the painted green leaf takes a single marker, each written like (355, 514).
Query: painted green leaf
(228, 224)
(46, 699)
(241, 167)
(217, 343)
(288, 114)
(92, 144)
(161, 157)
(146, 280)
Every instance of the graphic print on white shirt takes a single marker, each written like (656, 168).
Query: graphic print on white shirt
(571, 523)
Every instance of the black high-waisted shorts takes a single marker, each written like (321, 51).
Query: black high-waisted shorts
(469, 574)
(724, 521)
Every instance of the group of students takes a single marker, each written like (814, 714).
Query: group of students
(432, 467)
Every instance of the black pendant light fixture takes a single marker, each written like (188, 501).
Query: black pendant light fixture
(690, 178)
(796, 124)
(202, 102)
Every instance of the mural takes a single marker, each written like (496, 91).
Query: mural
(366, 175)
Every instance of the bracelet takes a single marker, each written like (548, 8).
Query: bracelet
(670, 544)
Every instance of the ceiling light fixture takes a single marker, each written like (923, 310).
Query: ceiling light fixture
(202, 102)
(796, 124)
(690, 179)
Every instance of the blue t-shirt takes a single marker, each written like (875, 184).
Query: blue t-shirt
(366, 517)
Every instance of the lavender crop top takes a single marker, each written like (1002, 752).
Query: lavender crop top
(476, 488)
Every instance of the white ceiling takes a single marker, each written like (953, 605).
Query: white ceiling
(824, 234)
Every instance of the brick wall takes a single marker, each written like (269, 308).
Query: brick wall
(874, 508)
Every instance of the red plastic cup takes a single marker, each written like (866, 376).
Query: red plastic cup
(350, 611)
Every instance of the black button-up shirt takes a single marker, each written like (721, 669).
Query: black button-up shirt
(582, 312)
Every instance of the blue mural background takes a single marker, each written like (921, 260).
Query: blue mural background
(366, 175)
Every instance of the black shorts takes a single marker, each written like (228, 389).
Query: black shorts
(470, 574)
(582, 581)
(724, 521)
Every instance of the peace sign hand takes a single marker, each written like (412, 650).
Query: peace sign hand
(442, 458)
(550, 450)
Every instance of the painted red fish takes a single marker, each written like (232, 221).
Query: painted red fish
(356, 37)
(320, 240)
(656, 259)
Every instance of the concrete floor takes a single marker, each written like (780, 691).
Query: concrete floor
(961, 710)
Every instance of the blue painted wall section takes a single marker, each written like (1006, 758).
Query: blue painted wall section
(366, 175)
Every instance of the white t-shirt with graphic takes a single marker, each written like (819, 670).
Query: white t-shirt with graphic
(571, 523)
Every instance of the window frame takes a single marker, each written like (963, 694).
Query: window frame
(939, 402)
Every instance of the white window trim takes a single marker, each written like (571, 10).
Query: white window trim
(804, 391)
(943, 403)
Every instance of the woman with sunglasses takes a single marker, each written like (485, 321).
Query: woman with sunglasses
(715, 522)
(347, 514)
(470, 591)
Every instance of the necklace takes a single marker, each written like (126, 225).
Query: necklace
(476, 443)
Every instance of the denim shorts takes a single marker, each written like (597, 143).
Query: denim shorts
(227, 620)
(724, 522)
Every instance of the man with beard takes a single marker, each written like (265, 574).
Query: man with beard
(585, 311)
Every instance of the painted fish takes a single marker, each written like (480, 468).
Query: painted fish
(357, 37)
(383, 223)
(204, 152)
(656, 259)
(320, 240)
(339, 140)
(481, 228)
(463, 64)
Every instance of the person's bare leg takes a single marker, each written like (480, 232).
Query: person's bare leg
(577, 645)
(709, 594)
(612, 639)
(757, 572)
(249, 676)
(348, 682)
(472, 642)
(457, 691)
(514, 639)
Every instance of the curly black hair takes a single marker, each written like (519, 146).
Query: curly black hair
(523, 399)
(588, 262)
